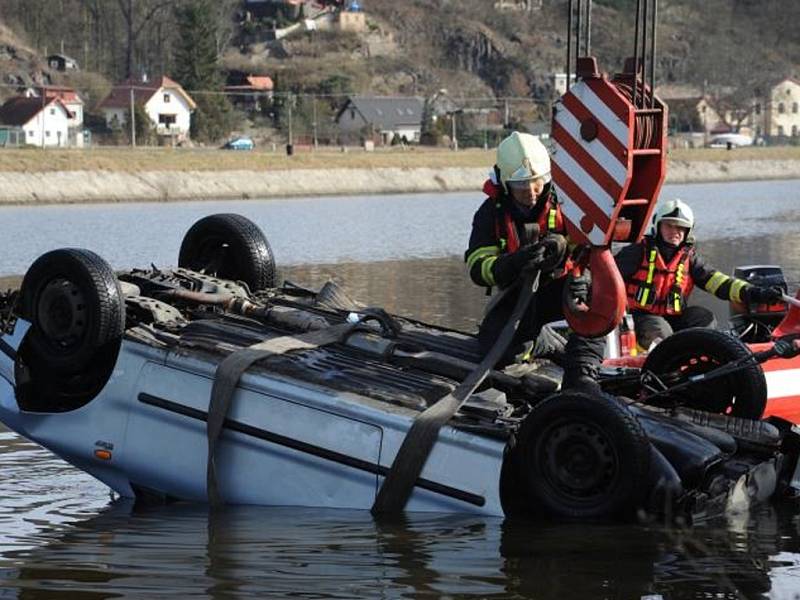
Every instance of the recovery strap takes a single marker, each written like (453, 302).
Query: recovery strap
(230, 371)
(418, 443)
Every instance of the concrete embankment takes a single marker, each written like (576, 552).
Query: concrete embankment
(160, 186)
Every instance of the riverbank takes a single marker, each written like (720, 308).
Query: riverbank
(29, 177)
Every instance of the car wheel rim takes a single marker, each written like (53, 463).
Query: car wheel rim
(578, 461)
(61, 312)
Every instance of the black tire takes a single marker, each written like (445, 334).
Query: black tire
(742, 393)
(229, 246)
(583, 457)
(76, 307)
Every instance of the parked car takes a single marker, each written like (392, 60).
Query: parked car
(730, 140)
(239, 143)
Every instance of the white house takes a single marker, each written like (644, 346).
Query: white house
(45, 123)
(69, 98)
(165, 102)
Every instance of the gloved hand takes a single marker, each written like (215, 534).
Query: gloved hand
(763, 295)
(579, 288)
(509, 266)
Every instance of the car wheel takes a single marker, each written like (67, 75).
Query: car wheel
(74, 302)
(584, 457)
(229, 246)
(691, 352)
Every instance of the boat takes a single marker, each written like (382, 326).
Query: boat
(210, 382)
(758, 326)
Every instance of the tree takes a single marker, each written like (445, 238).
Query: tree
(137, 14)
(143, 126)
(197, 68)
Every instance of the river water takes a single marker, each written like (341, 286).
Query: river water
(63, 536)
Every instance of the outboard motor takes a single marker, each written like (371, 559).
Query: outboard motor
(754, 324)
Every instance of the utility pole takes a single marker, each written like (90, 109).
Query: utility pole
(455, 138)
(133, 120)
(316, 142)
(290, 144)
(43, 113)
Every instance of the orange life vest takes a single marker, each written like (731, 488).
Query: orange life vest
(659, 288)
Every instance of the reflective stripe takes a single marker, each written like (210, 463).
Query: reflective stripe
(486, 270)
(551, 220)
(645, 294)
(651, 268)
(736, 290)
(480, 253)
(676, 301)
(716, 280)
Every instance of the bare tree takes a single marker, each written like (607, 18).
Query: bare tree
(137, 14)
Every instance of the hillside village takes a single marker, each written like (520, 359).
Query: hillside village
(304, 73)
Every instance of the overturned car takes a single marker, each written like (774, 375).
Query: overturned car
(210, 383)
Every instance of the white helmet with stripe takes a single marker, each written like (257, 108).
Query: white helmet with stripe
(522, 157)
(673, 211)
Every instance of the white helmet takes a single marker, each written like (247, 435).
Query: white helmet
(673, 211)
(522, 157)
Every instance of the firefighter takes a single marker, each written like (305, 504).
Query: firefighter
(661, 271)
(519, 193)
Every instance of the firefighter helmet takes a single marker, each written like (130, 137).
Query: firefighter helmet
(674, 211)
(522, 157)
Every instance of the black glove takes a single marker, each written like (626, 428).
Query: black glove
(509, 266)
(763, 295)
(580, 288)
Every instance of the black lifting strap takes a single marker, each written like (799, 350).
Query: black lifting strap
(419, 441)
(230, 371)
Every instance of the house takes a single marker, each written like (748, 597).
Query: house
(249, 92)
(70, 98)
(526, 5)
(164, 100)
(559, 83)
(692, 117)
(45, 122)
(271, 8)
(777, 116)
(62, 62)
(384, 116)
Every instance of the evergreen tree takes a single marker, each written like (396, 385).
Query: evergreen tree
(197, 69)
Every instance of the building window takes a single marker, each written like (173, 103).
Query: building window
(52, 111)
(166, 98)
(31, 134)
(780, 130)
(758, 130)
(794, 107)
(780, 108)
(46, 134)
(758, 108)
(794, 130)
(166, 119)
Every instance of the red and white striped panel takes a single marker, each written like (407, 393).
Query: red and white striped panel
(783, 388)
(591, 177)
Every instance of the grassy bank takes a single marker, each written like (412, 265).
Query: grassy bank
(180, 159)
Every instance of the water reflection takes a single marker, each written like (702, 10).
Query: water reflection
(183, 551)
